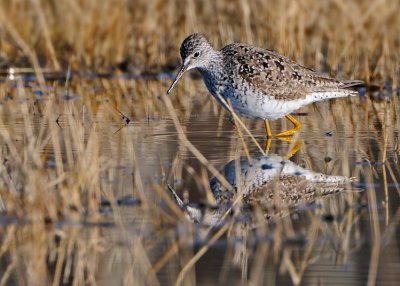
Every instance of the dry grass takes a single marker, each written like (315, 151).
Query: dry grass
(65, 148)
(357, 39)
(54, 177)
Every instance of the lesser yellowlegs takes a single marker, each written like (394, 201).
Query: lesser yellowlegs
(259, 83)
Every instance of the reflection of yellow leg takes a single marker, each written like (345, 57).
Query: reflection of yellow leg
(297, 127)
(268, 129)
(269, 136)
(295, 149)
(268, 145)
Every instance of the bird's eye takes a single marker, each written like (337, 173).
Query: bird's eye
(196, 55)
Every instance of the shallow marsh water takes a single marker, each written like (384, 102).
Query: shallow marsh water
(98, 207)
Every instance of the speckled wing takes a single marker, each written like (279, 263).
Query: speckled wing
(276, 75)
(292, 190)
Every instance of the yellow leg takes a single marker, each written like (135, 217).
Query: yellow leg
(268, 129)
(269, 136)
(290, 132)
(268, 145)
(294, 150)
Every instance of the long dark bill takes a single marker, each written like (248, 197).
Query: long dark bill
(178, 76)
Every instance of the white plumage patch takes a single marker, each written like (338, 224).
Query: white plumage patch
(317, 96)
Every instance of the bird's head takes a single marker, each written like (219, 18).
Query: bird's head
(196, 52)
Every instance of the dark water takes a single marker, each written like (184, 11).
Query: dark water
(350, 237)
(341, 251)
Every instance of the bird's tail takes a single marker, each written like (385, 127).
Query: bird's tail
(346, 89)
(352, 83)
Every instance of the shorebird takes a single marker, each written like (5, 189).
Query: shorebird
(258, 83)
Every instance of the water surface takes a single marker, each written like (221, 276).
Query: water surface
(133, 234)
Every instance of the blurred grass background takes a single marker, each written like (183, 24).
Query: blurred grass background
(356, 38)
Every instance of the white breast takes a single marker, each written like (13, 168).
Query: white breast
(264, 107)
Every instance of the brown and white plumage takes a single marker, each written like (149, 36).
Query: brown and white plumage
(278, 76)
(258, 82)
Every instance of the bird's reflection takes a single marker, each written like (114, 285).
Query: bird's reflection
(271, 183)
(272, 199)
